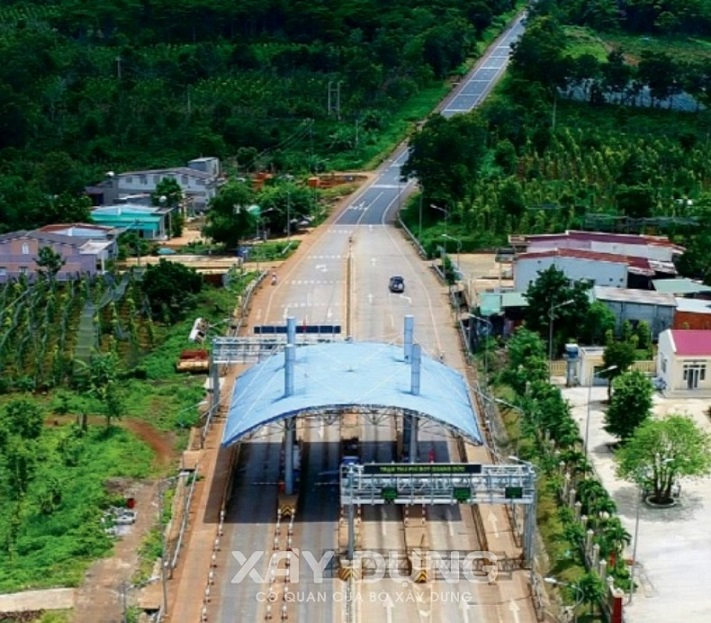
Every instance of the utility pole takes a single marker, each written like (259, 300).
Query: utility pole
(334, 97)
(118, 67)
(163, 553)
(288, 214)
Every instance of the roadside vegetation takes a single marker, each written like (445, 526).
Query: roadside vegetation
(547, 435)
(65, 460)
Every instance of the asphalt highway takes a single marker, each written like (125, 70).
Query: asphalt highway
(342, 278)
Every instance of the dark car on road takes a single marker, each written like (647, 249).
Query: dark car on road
(397, 284)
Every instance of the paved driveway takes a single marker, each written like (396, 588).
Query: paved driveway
(674, 547)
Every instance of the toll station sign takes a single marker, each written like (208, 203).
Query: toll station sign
(421, 469)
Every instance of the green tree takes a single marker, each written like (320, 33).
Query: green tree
(616, 73)
(169, 194)
(171, 286)
(229, 218)
(284, 200)
(663, 452)
(644, 336)
(658, 71)
(539, 55)
(614, 537)
(105, 385)
(696, 261)
(49, 263)
(446, 156)
(551, 292)
(21, 424)
(591, 589)
(631, 404)
(635, 201)
(67, 208)
(617, 358)
(598, 322)
(526, 360)
(22, 418)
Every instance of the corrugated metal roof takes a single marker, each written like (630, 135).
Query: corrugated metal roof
(83, 230)
(600, 236)
(491, 303)
(691, 342)
(340, 375)
(175, 171)
(629, 295)
(128, 209)
(513, 299)
(583, 254)
(693, 306)
(680, 286)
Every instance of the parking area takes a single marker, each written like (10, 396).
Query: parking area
(674, 544)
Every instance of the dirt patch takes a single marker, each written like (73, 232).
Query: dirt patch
(100, 598)
(161, 443)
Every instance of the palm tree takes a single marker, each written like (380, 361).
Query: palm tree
(590, 490)
(592, 589)
(601, 507)
(614, 537)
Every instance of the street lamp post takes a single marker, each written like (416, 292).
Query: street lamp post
(587, 419)
(579, 595)
(446, 216)
(551, 317)
(288, 214)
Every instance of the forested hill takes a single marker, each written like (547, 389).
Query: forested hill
(90, 86)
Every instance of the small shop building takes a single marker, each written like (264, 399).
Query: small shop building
(684, 363)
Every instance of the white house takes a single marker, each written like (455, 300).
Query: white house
(199, 182)
(600, 268)
(684, 362)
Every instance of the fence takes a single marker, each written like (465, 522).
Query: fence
(413, 238)
(184, 519)
(559, 368)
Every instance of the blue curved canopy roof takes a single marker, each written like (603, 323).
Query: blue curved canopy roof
(336, 376)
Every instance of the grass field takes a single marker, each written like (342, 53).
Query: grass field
(45, 545)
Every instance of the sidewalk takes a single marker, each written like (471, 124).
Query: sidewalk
(674, 547)
(186, 589)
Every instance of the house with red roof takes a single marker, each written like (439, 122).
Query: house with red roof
(684, 362)
(656, 248)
